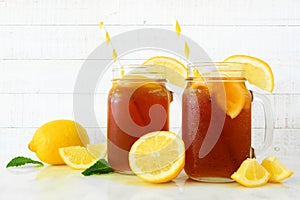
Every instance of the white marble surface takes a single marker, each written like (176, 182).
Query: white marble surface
(61, 182)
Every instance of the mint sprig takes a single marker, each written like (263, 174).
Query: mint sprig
(20, 161)
(100, 167)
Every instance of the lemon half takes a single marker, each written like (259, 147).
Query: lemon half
(157, 157)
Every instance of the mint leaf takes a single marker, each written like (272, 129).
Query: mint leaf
(20, 160)
(100, 167)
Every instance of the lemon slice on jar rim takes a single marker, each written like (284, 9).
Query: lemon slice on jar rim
(256, 71)
(176, 71)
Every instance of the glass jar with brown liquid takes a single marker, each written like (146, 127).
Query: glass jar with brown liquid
(138, 103)
(216, 121)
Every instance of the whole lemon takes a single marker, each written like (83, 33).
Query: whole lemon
(54, 135)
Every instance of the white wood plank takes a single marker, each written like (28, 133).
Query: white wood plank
(32, 110)
(35, 76)
(285, 143)
(285, 110)
(60, 76)
(48, 42)
(196, 12)
(277, 45)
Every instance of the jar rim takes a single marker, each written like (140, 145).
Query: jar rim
(216, 71)
(214, 63)
(140, 80)
(215, 79)
(139, 71)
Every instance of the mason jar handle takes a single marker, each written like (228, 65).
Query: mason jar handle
(269, 122)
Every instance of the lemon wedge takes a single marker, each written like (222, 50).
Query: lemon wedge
(77, 157)
(157, 157)
(277, 169)
(251, 174)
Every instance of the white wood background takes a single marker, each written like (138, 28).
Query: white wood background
(44, 43)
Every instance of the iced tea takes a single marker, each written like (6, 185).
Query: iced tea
(216, 143)
(135, 107)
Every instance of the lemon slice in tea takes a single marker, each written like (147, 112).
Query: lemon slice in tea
(233, 98)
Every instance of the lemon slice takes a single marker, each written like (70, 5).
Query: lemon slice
(256, 71)
(176, 72)
(98, 150)
(77, 157)
(157, 157)
(251, 174)
(277, 169)
(233, 99)
(237, 98)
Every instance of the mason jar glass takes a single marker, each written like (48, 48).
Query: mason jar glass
(138, 103)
